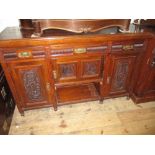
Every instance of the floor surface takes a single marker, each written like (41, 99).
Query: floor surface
(114, 116)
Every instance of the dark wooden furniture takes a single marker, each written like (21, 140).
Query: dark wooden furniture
(56, 70)
(145, 86)
(73, 25)
(79, 26)
(6, 105)
(147, 25)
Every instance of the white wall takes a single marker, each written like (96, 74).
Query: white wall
(8, 23)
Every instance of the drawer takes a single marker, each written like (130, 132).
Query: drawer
(128, 46)
(55, 51)
(23, 53)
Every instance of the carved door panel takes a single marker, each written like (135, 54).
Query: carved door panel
(65, 70)
(91, 68)
(31, 82)
(119, 78)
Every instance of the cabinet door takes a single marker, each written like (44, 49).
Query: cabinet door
(31, 82)
(147, 83)
(150, 86)
(119, 76)
(76, 68)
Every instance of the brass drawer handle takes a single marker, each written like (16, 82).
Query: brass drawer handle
(24, 54)
(128, 47)
(80, 50)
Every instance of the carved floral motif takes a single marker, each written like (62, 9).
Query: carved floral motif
(90, 68)
(67, 70)
(32, 84)
(120, 76)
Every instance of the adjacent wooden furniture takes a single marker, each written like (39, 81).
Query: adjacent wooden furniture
(145, 87)
(6, 105)
(73, 25)
(56, 70)
(79, 26)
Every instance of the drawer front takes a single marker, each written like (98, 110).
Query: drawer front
(56, 51)
(128, 46)
(23, 53)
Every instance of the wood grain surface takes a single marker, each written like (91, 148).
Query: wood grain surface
(114, 116)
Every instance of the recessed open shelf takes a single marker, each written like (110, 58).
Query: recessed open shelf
(77, 93)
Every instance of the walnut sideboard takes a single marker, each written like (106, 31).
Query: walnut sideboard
(58, 70)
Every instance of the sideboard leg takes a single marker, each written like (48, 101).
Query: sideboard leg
(55, 108)
(128, 97)
(22, 113)
(101, 101)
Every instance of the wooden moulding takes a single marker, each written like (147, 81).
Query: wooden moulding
(79, 25)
